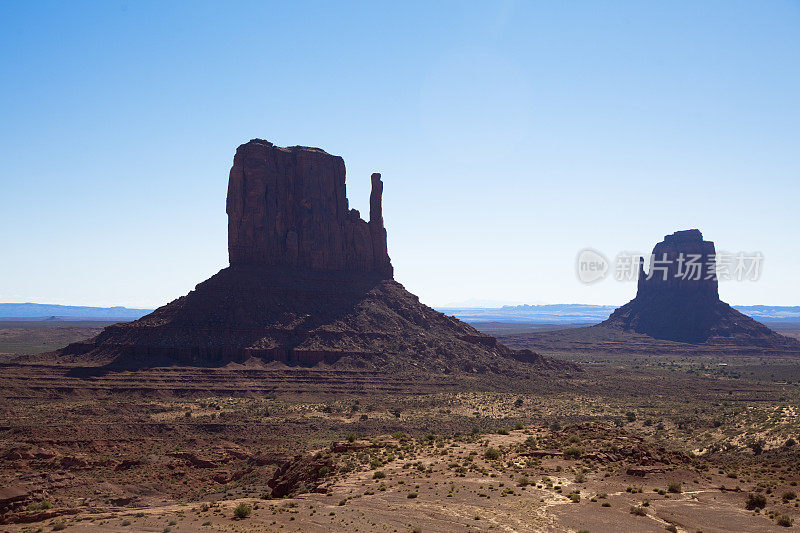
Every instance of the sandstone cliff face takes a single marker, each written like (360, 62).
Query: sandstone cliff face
(679, 303)
(289, 207)
(681, 263)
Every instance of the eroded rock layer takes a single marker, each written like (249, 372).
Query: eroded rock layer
(301, 318)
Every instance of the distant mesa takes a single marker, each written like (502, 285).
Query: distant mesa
(16, 311)
(309, 283)
(679, 300)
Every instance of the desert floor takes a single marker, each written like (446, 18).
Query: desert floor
(681, 442)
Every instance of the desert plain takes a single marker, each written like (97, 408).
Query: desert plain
(625, 440)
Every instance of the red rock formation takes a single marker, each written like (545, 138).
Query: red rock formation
(309, 283)
(288, 207)
(681, 303)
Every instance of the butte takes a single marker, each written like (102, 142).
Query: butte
(680, 302)
(677, 311)
(309, 283)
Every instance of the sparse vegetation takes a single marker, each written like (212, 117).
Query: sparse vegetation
(755, 501)
(638, 510)
(242, 511)
(40, 506)
(572, 452)
(491, 454)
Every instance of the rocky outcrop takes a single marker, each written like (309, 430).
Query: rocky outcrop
(310, 283)
(289, 207)
(678, 300)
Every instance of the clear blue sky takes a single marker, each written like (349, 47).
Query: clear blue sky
(510, 136)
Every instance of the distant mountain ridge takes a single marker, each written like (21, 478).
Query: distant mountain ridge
(68, 312)
(571, 313)
(544, 314)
